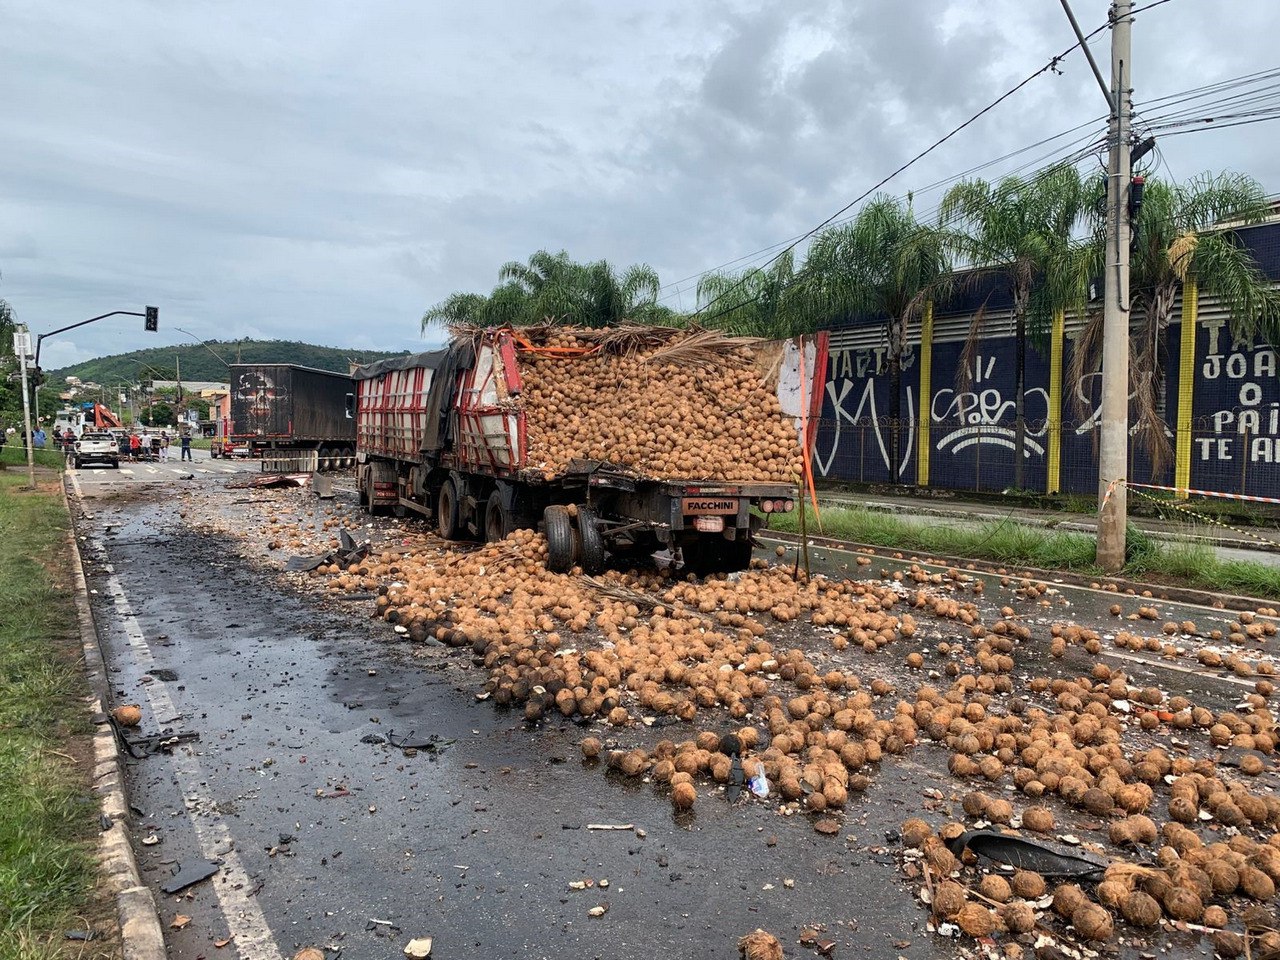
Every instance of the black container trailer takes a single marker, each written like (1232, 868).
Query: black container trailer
(285, 410)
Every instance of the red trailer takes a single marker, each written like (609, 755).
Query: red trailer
(445, 434)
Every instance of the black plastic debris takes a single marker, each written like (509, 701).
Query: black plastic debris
(372, 738)
(1050, 860)
(409, 741)
(81, 935)
(349, 551)
(187, 876)
(163, 673)
(141, 747)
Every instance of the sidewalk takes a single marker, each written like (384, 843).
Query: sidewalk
(1227, 544)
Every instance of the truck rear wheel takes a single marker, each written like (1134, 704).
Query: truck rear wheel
(497, 519)
(591, 548)
(561, 539)
(448, 519)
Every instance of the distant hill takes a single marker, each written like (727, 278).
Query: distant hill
(198, 363)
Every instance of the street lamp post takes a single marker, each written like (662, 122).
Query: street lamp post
(205, 345)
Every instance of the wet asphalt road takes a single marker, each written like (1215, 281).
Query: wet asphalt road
(329, 841)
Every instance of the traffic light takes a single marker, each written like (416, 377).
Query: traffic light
(153, 319)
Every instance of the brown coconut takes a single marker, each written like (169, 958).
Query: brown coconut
(683, 796)
(760, 945)
(1092, 922)
(995, 887)
(1140, 909)
(1256, 884)
(976, 920)
(948, 899)
(1027, 884)
(127, 715)
(1017, 916)
(914, 832)
(1066, 898)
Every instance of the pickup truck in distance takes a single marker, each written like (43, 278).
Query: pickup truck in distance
(96, 448)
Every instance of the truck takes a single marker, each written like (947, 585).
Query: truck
(283, 410)
(446, 434)
(99, 447)
(88, 416)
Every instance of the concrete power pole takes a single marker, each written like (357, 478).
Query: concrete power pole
(22, 347)
(1113, 463)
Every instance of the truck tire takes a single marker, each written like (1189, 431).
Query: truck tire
(448, 512)
(362, 490)
(591, 550)
(561, 540)
(497, 519)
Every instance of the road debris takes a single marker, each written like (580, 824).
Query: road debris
(1048, 860)
(418, 948)
(189, 875)
(179, 921)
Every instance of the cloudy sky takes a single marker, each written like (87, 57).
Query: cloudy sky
(326, 171)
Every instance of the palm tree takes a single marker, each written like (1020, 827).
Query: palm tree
(1180, 234)
(552, 288)
(886, 264)
(1021, 230)
(759, 302)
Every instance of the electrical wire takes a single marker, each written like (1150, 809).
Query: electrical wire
(1051, 65)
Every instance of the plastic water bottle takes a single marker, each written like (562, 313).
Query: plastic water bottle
(759, 783)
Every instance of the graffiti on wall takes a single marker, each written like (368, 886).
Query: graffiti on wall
(1244, 417)
(985, 414)
(857, 397)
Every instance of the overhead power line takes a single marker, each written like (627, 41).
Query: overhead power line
(1050, 65)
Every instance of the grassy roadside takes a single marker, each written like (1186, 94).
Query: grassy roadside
(48, 821)
(14, 457)
(1011, 543)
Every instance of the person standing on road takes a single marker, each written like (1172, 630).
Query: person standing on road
(186, 446)
(164, 446)
(135, 446)
(39, 438)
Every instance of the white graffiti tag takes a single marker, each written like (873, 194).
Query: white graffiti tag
(866, 405)
(977, 415)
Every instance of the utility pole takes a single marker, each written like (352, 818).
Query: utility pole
(22, 347)
(1113, 462)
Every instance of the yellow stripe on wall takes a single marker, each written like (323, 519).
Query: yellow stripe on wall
(1186, 384)
(923, 441)
(1054, 465)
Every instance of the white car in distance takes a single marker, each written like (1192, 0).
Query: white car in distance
(96, 448)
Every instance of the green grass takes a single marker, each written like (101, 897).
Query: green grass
(12, 456)
(48, 817)
(1012, 543)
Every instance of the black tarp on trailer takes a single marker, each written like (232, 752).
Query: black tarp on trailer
(284, 401)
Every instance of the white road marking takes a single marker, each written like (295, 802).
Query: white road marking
(151, 469)
(201, 470)
(176, 470)
(127, 472)
(242, 913)
(75, 484)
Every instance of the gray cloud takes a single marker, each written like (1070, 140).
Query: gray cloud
(327, 171)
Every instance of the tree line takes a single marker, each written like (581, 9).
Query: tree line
(1041, 237)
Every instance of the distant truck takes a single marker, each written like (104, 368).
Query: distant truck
(444, 434)
(89, 416)
(284, 410)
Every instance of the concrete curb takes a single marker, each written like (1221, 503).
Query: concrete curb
(1187, 595)
(140, 931)
(1074, 526)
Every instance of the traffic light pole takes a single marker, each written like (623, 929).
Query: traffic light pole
(151, 315)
